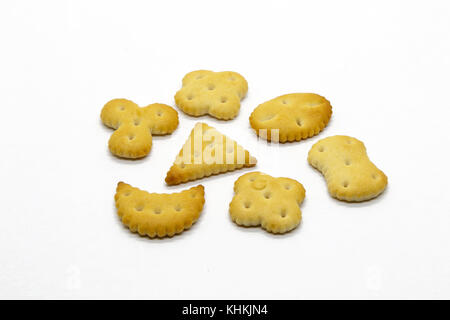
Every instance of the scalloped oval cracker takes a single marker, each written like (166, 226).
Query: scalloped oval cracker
(291, 117)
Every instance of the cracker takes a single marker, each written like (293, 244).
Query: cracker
(134, 126)
(158, 215)
(218, 94)
(262, 200)
(291, 117)
(207, 152)
(349, 173)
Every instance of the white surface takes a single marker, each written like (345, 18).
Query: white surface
(384, 66)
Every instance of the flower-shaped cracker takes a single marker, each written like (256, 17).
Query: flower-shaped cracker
(135, 126)
(272, 203)
(218, 94)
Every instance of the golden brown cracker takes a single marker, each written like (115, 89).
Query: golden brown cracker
(134, 126)
(218, 94)
(158, 215)
(207, 152)
(348, 171)
(272, 203)
(291, 117)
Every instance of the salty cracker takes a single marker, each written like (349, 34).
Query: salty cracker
(218, 94)
(134, 126)
(207, 152)
(158, 215)
(272, 203)
(349, 173)
(291, 117)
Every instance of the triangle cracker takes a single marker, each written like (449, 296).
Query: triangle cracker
(207, 152)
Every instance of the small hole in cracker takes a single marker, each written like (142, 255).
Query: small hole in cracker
(193, 195)
(374, 176)
(198, 77)
(247, 204)
(131, 137)
(284, 102)
(178, 208)
(283, 213)
(347, 162)
(126, 194)
(321, 149)
(223, 99)
(139, 208)
(345, 184)
(267, 195)
(252, 179)
(122, 108)
(299, 122)
(137, 122)
(287, 186)
(190, 97)
(211, 87)
(159, 113)
(157, 211)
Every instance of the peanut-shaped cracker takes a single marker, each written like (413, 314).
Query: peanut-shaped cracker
(291, 117)
(134, 126)
(349, 173)
(158, 215)
(272, 203)
(218, 94)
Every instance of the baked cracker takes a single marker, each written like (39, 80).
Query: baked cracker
(207, 152)
(262, 200)
(158, 215)
(348, 171)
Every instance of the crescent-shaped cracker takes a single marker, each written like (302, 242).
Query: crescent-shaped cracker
(158, 215)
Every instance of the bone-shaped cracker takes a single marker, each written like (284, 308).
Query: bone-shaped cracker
(293, 116)
(158, 215)
(218, 94)
(262, 200)
(349, 173)
(134, 126)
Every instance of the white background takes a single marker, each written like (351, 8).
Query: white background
(385, 67)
